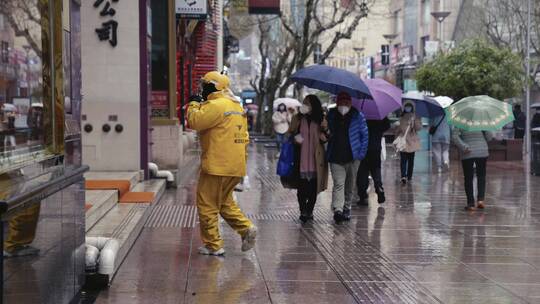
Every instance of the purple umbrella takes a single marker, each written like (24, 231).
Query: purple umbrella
(386, 99)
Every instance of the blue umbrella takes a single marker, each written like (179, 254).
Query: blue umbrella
(425, 106)
(332, 80)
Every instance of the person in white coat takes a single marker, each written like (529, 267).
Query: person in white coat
(281, 120)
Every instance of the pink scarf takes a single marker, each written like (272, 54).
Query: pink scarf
(310, 134)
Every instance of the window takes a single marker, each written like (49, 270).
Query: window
(426, 14)
(26, 85)
(4, 52)
(398, 23)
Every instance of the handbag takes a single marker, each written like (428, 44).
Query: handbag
(400, 143)
(433, 129)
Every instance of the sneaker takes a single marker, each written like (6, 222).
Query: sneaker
(404, 180)
(338, 217)
(21, 252)
(346, 214)
(205, 251)
(248, 240)
(381, 198)
(480, 205)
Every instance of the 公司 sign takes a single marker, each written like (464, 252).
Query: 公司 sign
(191, 9)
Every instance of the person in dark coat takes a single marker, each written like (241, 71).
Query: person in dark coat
(519, 122)
(347, 147)
(371, 164)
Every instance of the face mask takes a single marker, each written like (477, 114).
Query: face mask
(305, 109)
(281, 109)
(408, 109)
(343, 110)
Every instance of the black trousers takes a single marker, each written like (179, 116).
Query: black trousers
(468, 172)
(519, 134)
(307, 195)
(407, 164)
(371, 164)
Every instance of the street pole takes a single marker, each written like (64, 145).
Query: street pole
(528, 87)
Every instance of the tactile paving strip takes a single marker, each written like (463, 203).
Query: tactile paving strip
(169, 216)
(379, 282)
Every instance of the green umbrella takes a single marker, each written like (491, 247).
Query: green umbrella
(479, 113)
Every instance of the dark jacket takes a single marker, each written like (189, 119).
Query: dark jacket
(376, 130)
(358, 134)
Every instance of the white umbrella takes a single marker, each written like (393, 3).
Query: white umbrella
(289, 102)
(416, 95)
(8, 107)
(444, 101)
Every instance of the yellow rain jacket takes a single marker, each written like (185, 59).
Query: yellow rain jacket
(223, 134)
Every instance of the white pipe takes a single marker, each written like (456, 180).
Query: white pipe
(166, 174)
(108, 250)
(107, 257)
(97, 241)
(155, 172)
(92, 254)
(153, 168)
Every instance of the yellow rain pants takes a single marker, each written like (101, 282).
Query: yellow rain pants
(215, 197)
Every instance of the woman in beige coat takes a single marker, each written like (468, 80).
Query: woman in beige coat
(309, 129)
(409, 126)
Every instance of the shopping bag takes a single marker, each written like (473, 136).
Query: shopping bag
(285, 164)
(400, 143)
(383, 150)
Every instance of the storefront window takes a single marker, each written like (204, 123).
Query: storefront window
(24, 92)
(160, 59)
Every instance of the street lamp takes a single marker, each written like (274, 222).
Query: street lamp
(528, 92)
(440, 16)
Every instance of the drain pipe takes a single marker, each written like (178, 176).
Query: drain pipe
(107, 249)
(155, 172)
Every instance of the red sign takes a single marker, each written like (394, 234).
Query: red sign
(160, 100)
(264, 7)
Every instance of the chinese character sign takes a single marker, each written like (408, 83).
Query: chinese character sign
(109, 29)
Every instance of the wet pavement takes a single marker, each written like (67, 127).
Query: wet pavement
(419, 247)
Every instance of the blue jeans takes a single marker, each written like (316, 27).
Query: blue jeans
(280, 138)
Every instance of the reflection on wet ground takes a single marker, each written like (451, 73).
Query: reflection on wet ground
(419, 247)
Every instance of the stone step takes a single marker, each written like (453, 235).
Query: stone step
(102, 202)
(133, 177)
(124, 222)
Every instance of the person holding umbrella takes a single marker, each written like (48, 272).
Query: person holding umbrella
(386, 98)
(474, 118)
(347, 146)
(407, 140)
(308, 129)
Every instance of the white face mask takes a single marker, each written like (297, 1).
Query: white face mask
(343, 110)
(305, 109)
(408, 109)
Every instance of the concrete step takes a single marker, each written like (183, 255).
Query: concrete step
(102, 201)
(133, 177)
(124, 222)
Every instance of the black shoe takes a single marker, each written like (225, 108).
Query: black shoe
(338, 217)
(381, 198)
(310, 217)
(303, 219)
(403, 180)
(346, 214)
(363, 201)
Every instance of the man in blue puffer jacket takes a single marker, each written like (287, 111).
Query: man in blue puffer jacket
(347, 146)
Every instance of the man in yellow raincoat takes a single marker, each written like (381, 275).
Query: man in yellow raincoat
(220, 120)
